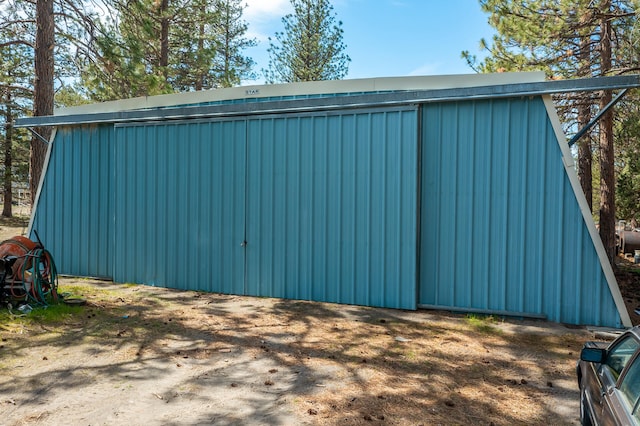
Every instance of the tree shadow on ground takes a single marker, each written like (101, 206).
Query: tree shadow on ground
(182, 357)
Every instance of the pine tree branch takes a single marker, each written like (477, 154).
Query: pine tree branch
(25, 90)
(17, 43)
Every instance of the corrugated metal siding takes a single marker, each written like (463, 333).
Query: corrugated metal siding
(326, 203)
(73, 214)
(332, 207)
(501, 229)
(179, 210)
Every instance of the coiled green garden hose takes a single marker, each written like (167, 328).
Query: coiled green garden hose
(40, 277)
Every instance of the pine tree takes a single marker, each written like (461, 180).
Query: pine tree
(310, 48)
(627, 133)
(628, 160)
(16, 96)
(215, 57)
(39, 34)
(194, 45)
(131, 50)
(230, 66)
(159, 46)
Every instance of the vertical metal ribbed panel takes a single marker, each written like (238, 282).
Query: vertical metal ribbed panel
(329, 206)
(73, 214)
(501, 228)
(332, 204)
(179, 205)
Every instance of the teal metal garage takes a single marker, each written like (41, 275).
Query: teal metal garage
(452, 192)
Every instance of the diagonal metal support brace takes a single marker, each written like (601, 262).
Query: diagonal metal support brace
(597, 118)
(38, 135)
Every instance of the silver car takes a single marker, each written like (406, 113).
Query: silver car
(609, 380)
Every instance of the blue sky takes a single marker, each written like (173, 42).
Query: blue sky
(388, 37)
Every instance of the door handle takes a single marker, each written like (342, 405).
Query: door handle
(243, 244)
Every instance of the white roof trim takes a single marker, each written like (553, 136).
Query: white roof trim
(570, 168)
(309, 88)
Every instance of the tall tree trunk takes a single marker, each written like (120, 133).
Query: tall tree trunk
(164, 39)
(226, 78)
(7, 178)
(585, 156)
(43, 88)
(607, 176)
(200, 73)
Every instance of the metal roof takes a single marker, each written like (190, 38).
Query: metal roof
(387, 96)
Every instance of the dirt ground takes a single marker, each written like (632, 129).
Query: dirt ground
(139, 355)
(144, 355)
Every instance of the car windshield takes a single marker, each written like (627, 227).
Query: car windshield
(630, 388)
(620, 354)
